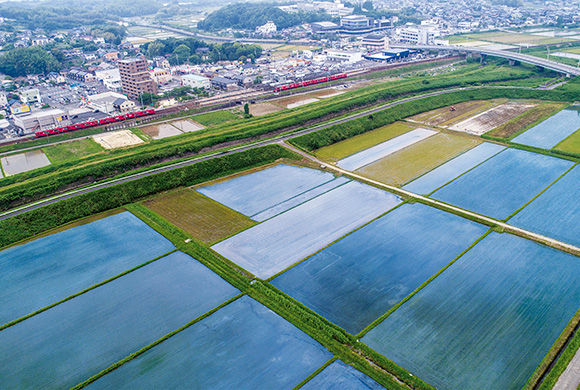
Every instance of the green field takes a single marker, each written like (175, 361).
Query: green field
(203, 218)
(364, 141)
(526, 120)
(415, 160)
(72, 150)
(215, 118)
(571, 144)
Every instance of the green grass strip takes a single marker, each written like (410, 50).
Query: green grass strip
(318, 371)
(153, 344)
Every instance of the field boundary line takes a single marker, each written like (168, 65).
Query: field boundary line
(146, 348)
(505, 227)
(94, 286)
(379, 320)
(315, 373)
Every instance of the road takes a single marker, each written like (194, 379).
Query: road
(553, 65)
(447, 207)
(570, 378)
(194, 160)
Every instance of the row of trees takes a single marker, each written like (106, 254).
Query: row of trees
(180, 51)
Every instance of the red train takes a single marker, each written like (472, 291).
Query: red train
(310, 82)
(99, 122)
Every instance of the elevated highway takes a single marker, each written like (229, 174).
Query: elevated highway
(569, 71)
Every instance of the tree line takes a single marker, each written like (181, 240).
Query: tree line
(249, 16)
(179, 51)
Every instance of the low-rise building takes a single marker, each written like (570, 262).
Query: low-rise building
(81, 75)
(42, 120)
(161, 76)
(343, 56)
(355, 22)
(31, 96)
(195, 81)
(111, 79)
(323, 27)
(110, 102)
(375, 42)
(223, 83)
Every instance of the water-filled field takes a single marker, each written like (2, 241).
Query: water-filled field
(488, 320)
(68, 343)
(23, 162)
(450, 170)
(241, 346)
(279, 242)
(255, 192)
(341, 376)
(502, 184)
(293, 202)
(555, 213)
(44, 271)
(359, 278)
(381, 150)
(550, 132)
(415, 160)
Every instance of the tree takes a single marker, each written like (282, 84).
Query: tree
(25, 61)
(156, 49)
(182, 52)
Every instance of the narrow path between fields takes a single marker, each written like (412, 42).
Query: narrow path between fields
(446, 207)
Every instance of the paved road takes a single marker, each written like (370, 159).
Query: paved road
(548, 64)
(570, 378)
(447, 207)
(191, 161)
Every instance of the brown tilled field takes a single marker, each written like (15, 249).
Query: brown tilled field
(262, 109)
(445, 116)
(490, 119)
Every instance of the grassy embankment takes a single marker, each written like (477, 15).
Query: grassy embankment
(26, 187)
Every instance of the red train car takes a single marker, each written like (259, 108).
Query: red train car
(104, 121)
(310, 82)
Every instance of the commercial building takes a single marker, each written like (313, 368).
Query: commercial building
(323, 27)
(343, 56)
(135, 78)
(375, 42)
(419, 35)
(195, 81)
(42, 120)
(355, 22)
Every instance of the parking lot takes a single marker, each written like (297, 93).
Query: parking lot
(68, 96)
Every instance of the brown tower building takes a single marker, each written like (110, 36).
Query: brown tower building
(135, 78)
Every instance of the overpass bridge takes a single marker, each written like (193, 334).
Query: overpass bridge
(568, 70)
